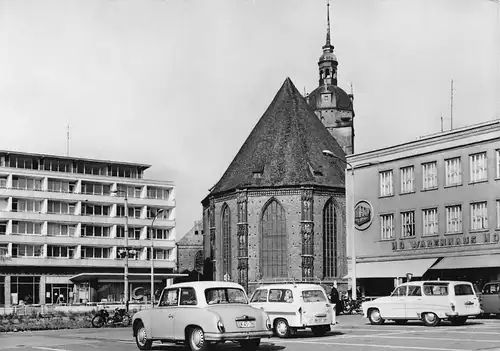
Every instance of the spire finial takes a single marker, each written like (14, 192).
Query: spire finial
(328, 23)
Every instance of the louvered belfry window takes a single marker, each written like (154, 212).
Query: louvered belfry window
(226, 240)
(330, 237)
(273, 254)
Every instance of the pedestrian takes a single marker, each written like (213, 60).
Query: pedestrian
(335, 298)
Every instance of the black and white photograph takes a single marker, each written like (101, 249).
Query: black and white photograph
(202, 175)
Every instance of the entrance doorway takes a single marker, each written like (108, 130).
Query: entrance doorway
(59, 293)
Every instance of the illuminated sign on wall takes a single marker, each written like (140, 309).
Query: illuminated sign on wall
(363, 215)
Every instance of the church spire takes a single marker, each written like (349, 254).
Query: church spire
(328, 61)
(328, 24)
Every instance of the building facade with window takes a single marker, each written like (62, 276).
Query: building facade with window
(278, 211)
(430, 207)
(62, 228)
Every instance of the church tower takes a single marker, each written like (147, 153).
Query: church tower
(332, 105)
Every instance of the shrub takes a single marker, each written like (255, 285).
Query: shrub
(56, 320)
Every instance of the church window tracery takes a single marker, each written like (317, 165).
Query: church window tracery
(331, 236)
(273, 253)
(226, 240)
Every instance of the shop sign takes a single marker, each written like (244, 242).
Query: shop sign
(363, 215)
(463, 240)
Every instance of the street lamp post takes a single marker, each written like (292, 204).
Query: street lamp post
(125, 293)
(152, 259)
(350, 222)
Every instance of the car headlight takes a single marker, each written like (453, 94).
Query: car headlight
(220, 326)
(268, 324)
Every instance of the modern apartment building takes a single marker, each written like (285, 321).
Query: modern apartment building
(429, 207)
(62, 229)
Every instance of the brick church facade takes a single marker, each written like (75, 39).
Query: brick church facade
(278, 212)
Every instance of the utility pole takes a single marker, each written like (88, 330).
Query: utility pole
(451, 106)
(67, 142)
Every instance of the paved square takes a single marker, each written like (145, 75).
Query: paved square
(352, 333)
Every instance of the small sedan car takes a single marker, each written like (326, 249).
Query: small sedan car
(295, 306)
(201, 315)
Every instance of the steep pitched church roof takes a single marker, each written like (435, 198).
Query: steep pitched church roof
(285, 149)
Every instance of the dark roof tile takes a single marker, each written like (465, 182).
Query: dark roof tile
(286, 147)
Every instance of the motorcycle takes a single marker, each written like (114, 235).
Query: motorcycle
(102, 317)
(349, 305)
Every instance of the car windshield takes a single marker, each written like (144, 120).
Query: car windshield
(216, 296)
(313, 296)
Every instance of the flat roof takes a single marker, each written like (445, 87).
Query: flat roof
(21, 153)
(423, 139)
(131, 276)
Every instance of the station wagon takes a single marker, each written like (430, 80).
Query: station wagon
(429, 301)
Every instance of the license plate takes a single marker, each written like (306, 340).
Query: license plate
(247, 324)
(319, 320)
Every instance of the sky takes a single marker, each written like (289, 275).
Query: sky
(180, 84)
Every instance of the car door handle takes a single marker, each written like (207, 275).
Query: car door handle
(170, 316)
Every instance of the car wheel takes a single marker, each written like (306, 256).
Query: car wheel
(375, 317)
(319, 330)
(458, 320)
(126, 320)
(97, 322)
(430, 319)
(250, 345)
(281, 328)
(141, 338)
(400, 321)
(196, 340)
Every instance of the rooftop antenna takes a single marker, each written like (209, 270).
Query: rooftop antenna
(442, 128)
(451, 106)
(67, 142)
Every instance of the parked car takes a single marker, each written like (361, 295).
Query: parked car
(295, 306)
(429, 301)
(201, 315)
(490, 303)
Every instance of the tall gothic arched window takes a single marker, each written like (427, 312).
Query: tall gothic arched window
(273, 252)
(226, 240)
(198, 261)
(331, 238)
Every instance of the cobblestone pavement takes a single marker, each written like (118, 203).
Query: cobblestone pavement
(352, 333)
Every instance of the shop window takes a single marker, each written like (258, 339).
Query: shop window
(25, 290)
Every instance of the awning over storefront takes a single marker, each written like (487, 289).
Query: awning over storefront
(132, 277)
(393, 269)
(477, 261)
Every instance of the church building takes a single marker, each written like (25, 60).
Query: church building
(278, 212)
